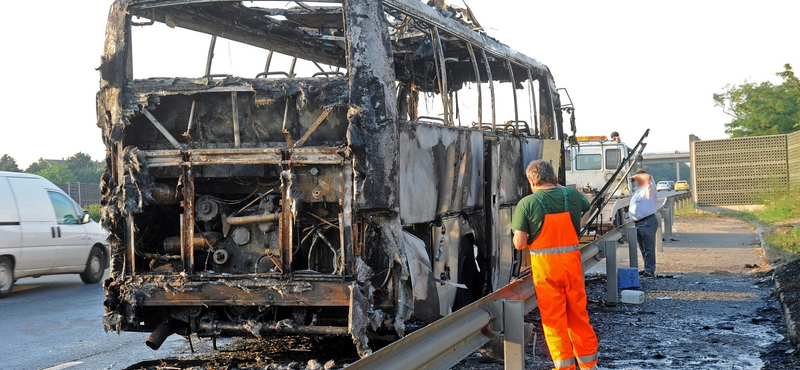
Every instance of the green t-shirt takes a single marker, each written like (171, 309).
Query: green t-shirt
(529, 216)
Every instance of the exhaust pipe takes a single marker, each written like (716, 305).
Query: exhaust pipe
(163, 331)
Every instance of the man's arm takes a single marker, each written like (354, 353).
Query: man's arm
(520, 226)
(520, 239)
(651, 189)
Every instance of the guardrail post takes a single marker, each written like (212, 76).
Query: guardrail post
(660, 233)
(609, 249)
(633, 246)
(508, 317)
(514, 331)
(666, 214)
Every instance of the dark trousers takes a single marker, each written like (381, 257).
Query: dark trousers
(646, 236)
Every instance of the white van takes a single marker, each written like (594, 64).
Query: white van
(44, 232)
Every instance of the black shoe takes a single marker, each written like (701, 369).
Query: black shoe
(641, 272)
(648, 275)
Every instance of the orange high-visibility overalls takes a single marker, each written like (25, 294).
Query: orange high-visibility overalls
(558, 277)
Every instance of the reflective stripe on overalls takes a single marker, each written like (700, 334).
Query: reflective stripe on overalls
(558, 277)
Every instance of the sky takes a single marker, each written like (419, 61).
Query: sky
(628, 65)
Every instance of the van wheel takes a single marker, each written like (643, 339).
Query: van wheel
(94, 267)
(6, 277)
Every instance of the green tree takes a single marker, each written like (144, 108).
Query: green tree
(8, 163)
(37, 166)
(78, 168)
(84, 168)
(58, 173)
(762, 108)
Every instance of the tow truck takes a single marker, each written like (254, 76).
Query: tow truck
(600, 168)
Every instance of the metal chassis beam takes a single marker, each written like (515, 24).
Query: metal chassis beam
(237, 292)
(233, 156)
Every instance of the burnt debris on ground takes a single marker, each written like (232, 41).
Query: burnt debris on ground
(290, 352)
(707, 309)
(787, 288)
(691, 321)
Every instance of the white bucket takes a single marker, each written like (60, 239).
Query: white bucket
(633, 296)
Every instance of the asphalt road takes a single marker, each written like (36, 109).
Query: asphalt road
(54, 323)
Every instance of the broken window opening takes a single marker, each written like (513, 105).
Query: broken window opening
(491, 84)
(241, 48)
(477, 73)
(533, 90)
(183, 51)
(515, 123)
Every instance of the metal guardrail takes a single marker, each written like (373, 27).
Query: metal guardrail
(447, 341)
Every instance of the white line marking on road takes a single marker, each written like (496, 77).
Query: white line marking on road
(64, 365)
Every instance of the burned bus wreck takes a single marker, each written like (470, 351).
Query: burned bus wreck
(324, 204)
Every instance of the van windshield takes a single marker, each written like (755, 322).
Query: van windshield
(588, 162)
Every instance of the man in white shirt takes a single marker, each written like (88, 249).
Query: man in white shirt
(642, 210)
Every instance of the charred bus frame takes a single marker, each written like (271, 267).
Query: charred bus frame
(322, 205)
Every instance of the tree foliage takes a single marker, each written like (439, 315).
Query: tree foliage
(38, 166)
(8, 163)
(77, 168)
(84, 168)
(58, 173)
(762, 108)
(666, 171)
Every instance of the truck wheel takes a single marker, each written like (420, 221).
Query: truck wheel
(6, 277)
(94, 267)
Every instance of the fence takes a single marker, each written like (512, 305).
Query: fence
(741, 171)
(793, 152)
(82, 193)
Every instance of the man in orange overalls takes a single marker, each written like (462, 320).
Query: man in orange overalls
(547, 222)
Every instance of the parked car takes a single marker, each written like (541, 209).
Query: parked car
(681, 185)
(44, 232)
(663, 185)
(671, 185)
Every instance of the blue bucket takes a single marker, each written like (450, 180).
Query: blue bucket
(627, 278)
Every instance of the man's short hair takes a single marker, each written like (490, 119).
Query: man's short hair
(641, 171)
(541, 172)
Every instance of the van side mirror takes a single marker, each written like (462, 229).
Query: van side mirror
(86, 218)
